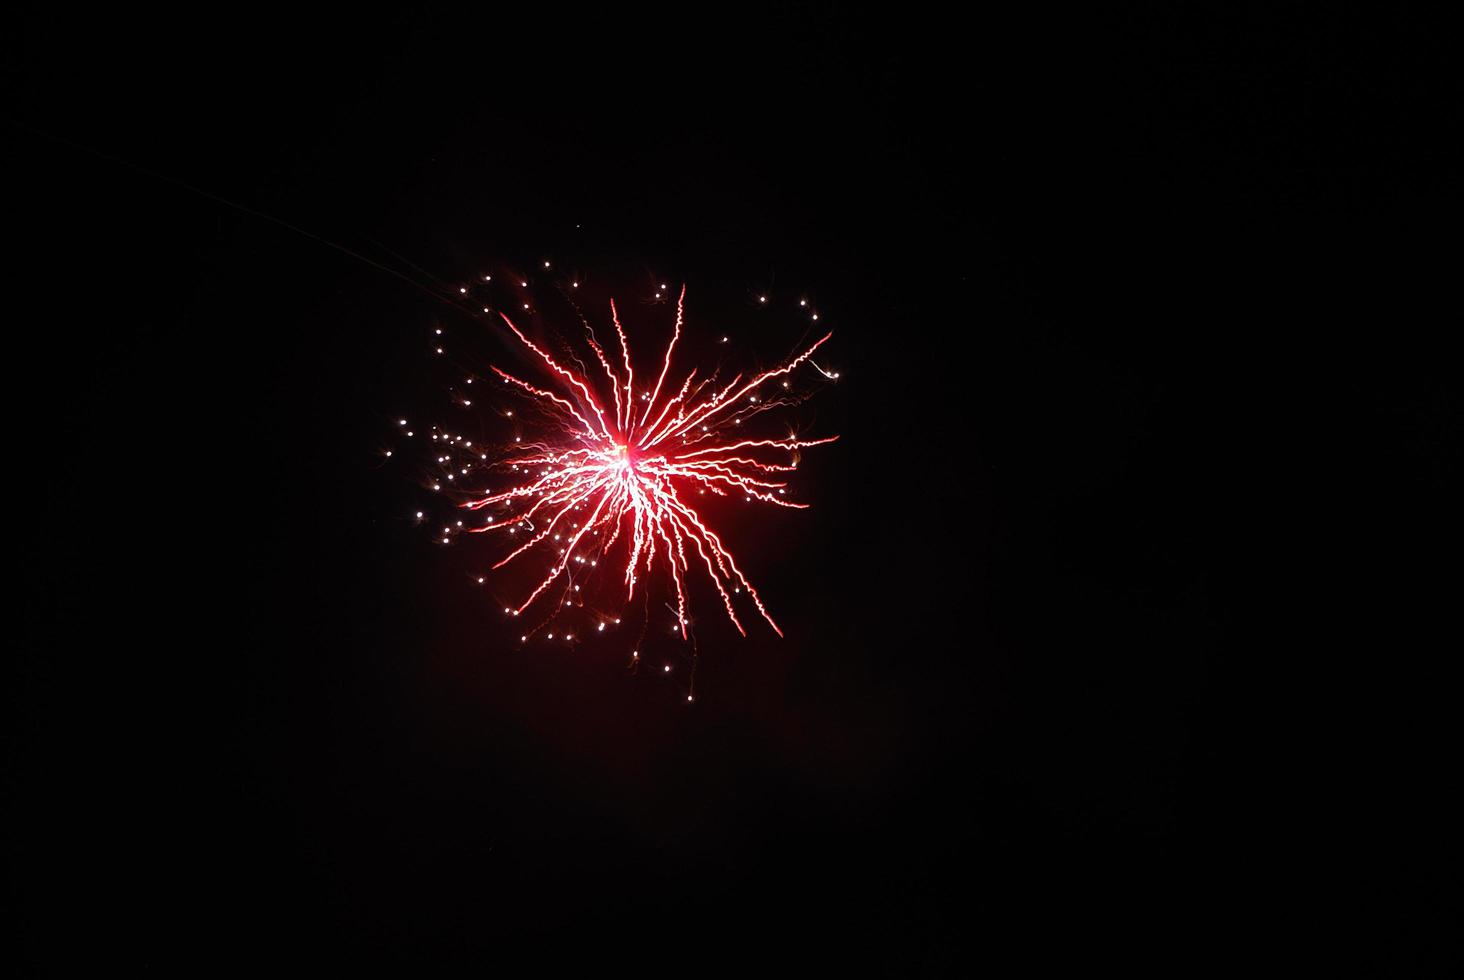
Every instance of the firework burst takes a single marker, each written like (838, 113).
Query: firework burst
(604, 485)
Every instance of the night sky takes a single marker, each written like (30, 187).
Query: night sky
(1113, 631)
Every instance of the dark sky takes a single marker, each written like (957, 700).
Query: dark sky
(1128, 569)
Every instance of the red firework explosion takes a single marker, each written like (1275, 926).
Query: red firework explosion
(623, 469)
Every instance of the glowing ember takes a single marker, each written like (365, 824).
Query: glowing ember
(622, 469)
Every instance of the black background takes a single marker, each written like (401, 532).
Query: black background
(1110, 631)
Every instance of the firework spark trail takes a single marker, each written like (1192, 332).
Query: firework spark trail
(632, 467)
